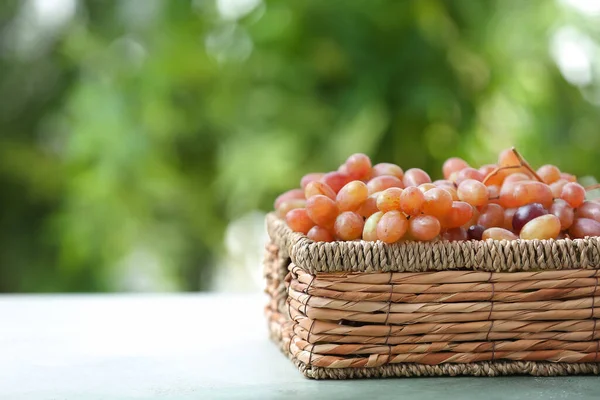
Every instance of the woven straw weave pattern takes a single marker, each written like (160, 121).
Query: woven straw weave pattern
(357, 309)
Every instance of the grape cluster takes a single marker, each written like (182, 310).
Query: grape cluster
(504, 201)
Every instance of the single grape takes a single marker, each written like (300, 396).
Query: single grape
(526, 213)
(589, 209)
(475, 232)
(322, 210)
(415, 177)
(533, 192)
(370, 229)
(543, 227)
(583, 227)
(498, 234)
(369, 207)
(335, 180)
(343, 169)
(383, 182)
(568, 177)
(423, 187)
(557, 187)
(389, 199)
(444, 183)
(293, 194)
(352, 196)
(288, 205)
(455, 234)
(508, 158)
(388, 169)
(473, 192)
(391, 227)
(492, 215)
(469, 173)
(424, 227)
(460, 214)
(318, 188)
(319, 234)
(564, 212)
(509, 214)
(348, 226)
(438, 202)
(412, 200)
(549, 173)
(453, 164)
(359, 166)
(299, 221)
(573, 193)
(312, 177)
(516, 177)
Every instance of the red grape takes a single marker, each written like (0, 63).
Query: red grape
(392, 226)
(415, 177)
(525, 214)
(388, 169)
(299, 221)
(424, 227)
(352, 196)
(359, 166)
(348, 226)
(583, 227)
(573, 193)
(319, 234)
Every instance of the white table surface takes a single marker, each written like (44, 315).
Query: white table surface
(194, 347)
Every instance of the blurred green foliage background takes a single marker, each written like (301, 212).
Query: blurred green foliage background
(133, 132)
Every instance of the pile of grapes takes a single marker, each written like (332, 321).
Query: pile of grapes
(508, 200)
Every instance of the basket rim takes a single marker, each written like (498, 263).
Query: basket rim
(489, 255)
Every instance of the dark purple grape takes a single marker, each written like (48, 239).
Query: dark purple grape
(475, 232)
(526, 213)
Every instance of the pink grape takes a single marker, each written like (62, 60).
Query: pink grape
(469, 173)
(383, 182)
(389, 199)
(564, 212)
(319, 234)
(573, 193)
(299, 221)
(348, 226)
(318, 188)
(424, 227)
(588, 209)
(492, 215)
(583, 227)
(322, 210)
(509, 214)
(312, 177)
(459, 214)
(392, 226)
(412, 200)
(369, 207)
(415, 177)
(288, 205)
(359, 166)
(549, 173)
(557, 187)
(453, 164)
(543, 227)
(473, 192)
(335, 180)
(352, 196)
(388, 169)
(370, 229)
(293, 194)
(438, 202)
(498, 234)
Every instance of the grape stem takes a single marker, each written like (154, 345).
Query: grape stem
(522, 163)
(525, 164)
(592, 187)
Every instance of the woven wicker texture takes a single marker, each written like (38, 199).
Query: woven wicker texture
(435, 311)
(493, 256)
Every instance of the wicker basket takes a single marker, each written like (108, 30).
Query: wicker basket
(366, 309)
